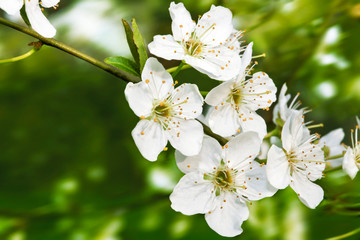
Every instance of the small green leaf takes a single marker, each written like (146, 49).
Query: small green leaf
(124, 64)
(130, 39)
(139, 42)
(24, 16)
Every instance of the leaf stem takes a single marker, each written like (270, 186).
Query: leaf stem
(173, 69)
(178, 69)
(19, 58)
(349, 234)
(335, 157)
(63, 47)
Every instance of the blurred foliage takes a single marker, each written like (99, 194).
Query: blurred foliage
(69, 168)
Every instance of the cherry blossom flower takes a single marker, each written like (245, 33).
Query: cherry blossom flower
(298, 163)
(34, 13)
(235, 102)
(166, 113)
(281, 110)
(331, 145)
(351, 163)
(211, 45)
(219, 181)
(11, 6)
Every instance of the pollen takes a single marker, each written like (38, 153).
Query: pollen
(147, 80)
(142, 133)
(165, 148)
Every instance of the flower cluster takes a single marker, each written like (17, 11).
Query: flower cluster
(221, 180)
(33, 9)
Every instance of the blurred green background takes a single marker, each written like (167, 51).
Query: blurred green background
(69, 168)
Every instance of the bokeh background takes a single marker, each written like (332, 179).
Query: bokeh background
(69, 168)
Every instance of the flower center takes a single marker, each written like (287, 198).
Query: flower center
(223, 178)
(163, 109)
(193, 47)
(237, 96)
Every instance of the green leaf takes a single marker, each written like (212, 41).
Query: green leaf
(130, 39)
(24, 16)
(139, 42)
(124, 64)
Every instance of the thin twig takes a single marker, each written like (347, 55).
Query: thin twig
(63, 47)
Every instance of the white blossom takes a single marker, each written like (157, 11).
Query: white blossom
(166, 113)
(351, 163)
(219, 181)
(11, 6)
(281, 110)
(331, 145)
(34, 13)
(235, 102)
(211, 45)
(298, 163)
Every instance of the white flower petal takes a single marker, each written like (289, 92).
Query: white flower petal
(309, 193)
(157, 79)
(264, 149)
(262, 91)
(332, 142)
(281, 109)
(37, 19)
(140, 98)
(227, 217)
(192, 195)
(219, 63)
(49, 3)
(232, 42)
(149, 138)
(186, 136)
(220, 93)
(251, 121)
(215, 24)
(208, 157)
(181, 22)
(349, 164)
(294, 131)
(257, 185)
(242, 149)
(166, 47)
(11, 6)
(188, 101)
(224, 120)
(278, 168)
(332, 139)
(245, 60)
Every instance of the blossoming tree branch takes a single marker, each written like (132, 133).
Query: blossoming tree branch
(223, 146)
